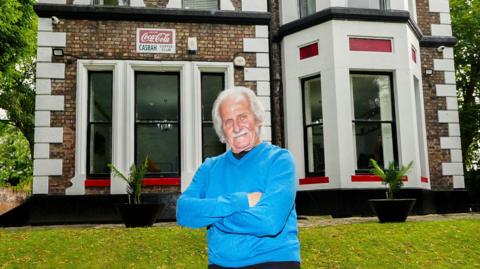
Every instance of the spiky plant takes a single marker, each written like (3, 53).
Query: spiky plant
(392, 177)
(134, 180)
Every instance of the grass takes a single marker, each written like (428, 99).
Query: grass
(438, 244)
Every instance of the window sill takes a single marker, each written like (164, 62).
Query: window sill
(167, 181)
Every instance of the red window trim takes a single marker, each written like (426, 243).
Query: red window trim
(370, 178)
(164, 181)
(414, 55)
(308, 51)
(370, 44)
(314, 180)
(424, 179)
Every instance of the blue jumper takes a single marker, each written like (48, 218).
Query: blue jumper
(237, 234)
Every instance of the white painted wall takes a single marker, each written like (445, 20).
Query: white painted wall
(334, 64)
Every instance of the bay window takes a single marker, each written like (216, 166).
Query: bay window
(373, 120)
(313, 127)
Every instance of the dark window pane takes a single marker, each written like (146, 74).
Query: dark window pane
(306, 7)
(157, 96)
(212, 85)
(371, 97)
(100, 102)
(313, 101)
(160, 143)
(316, 149)
(211, 144)
(313, 117)
(100, 148)
(373, 141)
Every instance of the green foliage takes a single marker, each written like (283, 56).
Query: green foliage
(466, 28)
(134, 180)
(433, 244)
(17, 32)
(15, 160)
(392, 176)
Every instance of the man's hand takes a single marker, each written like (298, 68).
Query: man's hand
(253, 198)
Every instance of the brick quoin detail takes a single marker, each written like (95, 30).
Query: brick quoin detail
(434, 129)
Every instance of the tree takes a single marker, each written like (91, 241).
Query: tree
(466, 27)
(17, 32)
(17, 65)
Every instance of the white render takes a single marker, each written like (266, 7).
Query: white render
(441, 30)
(445, 18)
(43, 86)
(334, 64)
(443, 65)
(49, 102)
(52, 39)
(50, 70)
(458, 182)
(452, 103)
(448, 53)
(40, 185)
(452, 169)
(47, 167)
(44, 54)
(48, 135)
(456, 155)
(445, 116)
(439, 6)
(45, 24)
(446, 90)
(449, 77)
(263, 59)
(263, 88)
(261, 31)
(257, 74)
(254, 5)
(255, 44)
(42, 118)
(41, 151)
(454, 129)
(450, 143)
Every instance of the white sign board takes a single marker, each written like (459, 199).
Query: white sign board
(150, 40)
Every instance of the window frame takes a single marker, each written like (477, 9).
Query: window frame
(219, 74)
(135, 123)
(393, 122)
(306, 3)
(305, 126)
(383, 5)
(89, 124)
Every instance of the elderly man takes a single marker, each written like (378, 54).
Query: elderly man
(245, 197)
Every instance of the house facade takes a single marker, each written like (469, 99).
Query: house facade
(342, 82)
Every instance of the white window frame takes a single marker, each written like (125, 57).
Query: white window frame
(123, 120)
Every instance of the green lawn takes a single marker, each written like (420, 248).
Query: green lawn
(439, 244)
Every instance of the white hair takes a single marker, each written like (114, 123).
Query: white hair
(236, 93)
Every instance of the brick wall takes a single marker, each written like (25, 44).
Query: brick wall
(435, 130)
(425, 18)
(10, 199)
(116, 40)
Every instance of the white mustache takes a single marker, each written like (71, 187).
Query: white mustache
(240, 133)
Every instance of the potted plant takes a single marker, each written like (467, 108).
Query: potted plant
(391, 209)
(135, 213)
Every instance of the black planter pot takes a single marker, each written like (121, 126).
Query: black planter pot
(139, 215)
(391, 210)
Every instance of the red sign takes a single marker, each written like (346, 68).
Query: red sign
(155, 40)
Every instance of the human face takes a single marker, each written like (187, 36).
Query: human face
(239, 124)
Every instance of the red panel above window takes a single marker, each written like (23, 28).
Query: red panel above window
(164, 181)
(414, 55)
(309, 51)
(368, 44)
(314, 180)
(370, 178)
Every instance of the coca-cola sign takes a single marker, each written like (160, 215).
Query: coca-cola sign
(155, 40)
